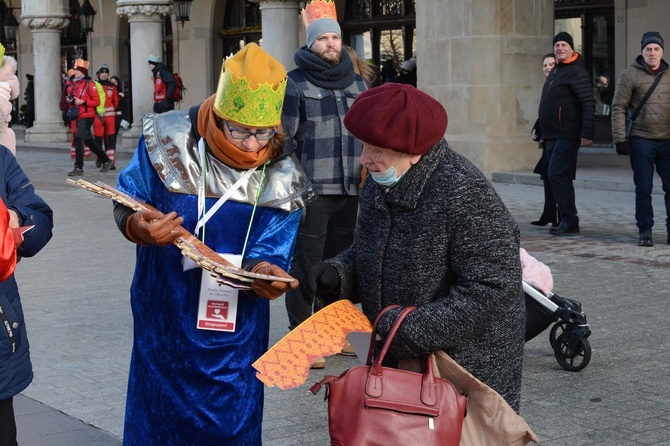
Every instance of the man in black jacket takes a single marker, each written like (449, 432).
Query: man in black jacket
(566, 120)
(164, 85)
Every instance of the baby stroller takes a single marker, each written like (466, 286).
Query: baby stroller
(569, 335)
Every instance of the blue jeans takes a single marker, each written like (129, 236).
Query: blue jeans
(327, 230)
(562, 155)
(645, 154)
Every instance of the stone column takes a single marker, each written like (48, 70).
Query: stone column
(146, 37)
(45, 19)
(281, 24)
(483, 62)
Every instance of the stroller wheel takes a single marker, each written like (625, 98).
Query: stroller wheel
(557, 330)
(572, 360)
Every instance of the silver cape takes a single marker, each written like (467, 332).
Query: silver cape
(173, 150)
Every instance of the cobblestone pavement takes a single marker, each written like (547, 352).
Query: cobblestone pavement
(75, 296)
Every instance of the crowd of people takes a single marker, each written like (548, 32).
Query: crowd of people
(101, 106)
(639, 106)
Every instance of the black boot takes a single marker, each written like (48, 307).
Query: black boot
(565, 228)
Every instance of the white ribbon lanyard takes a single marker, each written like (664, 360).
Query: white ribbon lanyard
(202, 219)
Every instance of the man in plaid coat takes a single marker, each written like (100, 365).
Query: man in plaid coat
(319, 93)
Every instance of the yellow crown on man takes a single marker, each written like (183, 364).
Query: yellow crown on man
(319, 9)
(319, 17)
(251, 88)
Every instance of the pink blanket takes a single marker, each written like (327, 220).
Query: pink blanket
(536, 273)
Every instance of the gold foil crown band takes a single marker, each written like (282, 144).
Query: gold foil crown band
(251, 88)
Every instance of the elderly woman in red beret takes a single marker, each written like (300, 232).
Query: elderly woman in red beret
(432, 233)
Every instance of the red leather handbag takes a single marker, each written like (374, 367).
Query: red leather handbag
(373, 405)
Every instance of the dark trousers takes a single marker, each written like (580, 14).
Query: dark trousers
(7, 423)
(562, 154)
(645, 155)
(326, 230)
(549, 213)
(84, 135)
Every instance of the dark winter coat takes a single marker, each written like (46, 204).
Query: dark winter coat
(19, 194)
(567, 105)
(164, 86)
(442, 239)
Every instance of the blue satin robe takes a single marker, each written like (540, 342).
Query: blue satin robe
(188, 386)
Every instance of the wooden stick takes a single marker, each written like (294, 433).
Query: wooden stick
(222, 270)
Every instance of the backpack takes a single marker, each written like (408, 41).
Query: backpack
(179, 89)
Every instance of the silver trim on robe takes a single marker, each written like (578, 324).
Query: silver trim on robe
(174, 154)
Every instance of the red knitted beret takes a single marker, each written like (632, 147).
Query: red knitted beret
(398, 117)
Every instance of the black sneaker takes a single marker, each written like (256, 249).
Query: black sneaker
(98, 163)
(105, 166)
(76, 172)
(645, 239)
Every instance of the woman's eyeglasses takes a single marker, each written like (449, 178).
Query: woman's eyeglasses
(261, 135)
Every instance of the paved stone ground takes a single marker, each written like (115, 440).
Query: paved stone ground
(75, 296)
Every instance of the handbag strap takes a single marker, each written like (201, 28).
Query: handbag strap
(374, 386)
(646, 96)
(379, 358)
(373, 338)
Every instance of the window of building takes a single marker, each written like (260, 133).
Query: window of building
(241, 25)
(383, 31)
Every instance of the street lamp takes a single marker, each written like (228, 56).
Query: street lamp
(182, 10)
(86, 15)
(10, 26)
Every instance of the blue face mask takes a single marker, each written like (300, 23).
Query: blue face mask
(387, 177)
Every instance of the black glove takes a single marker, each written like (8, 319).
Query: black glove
(322, 279)
(622, 148)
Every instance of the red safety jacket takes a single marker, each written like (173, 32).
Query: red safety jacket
(85, 90)
(160, 89)
(112, 101)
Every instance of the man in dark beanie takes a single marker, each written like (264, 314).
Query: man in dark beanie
(566, 123)
(647, 139)
(431, 233)
(319, 92)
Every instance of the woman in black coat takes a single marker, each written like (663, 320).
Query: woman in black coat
(431, 233)
(550, 211)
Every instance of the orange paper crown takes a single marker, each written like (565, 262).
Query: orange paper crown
(320, 9)
(81, 63)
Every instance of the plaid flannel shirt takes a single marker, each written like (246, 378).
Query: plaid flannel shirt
(313, 120)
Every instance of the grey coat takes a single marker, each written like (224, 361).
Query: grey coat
(442, 239)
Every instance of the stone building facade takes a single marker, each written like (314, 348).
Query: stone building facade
(481, 59)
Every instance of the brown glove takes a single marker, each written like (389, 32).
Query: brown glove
(272, 290)
(153, 227)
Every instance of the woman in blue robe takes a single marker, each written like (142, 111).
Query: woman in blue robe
(188, 385)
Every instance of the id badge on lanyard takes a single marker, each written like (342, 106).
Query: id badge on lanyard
(217, 307)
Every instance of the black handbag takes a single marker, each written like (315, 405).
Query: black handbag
(72, 113)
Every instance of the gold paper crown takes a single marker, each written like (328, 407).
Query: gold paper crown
(251, 88)
(319, 9)
(81, 63)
